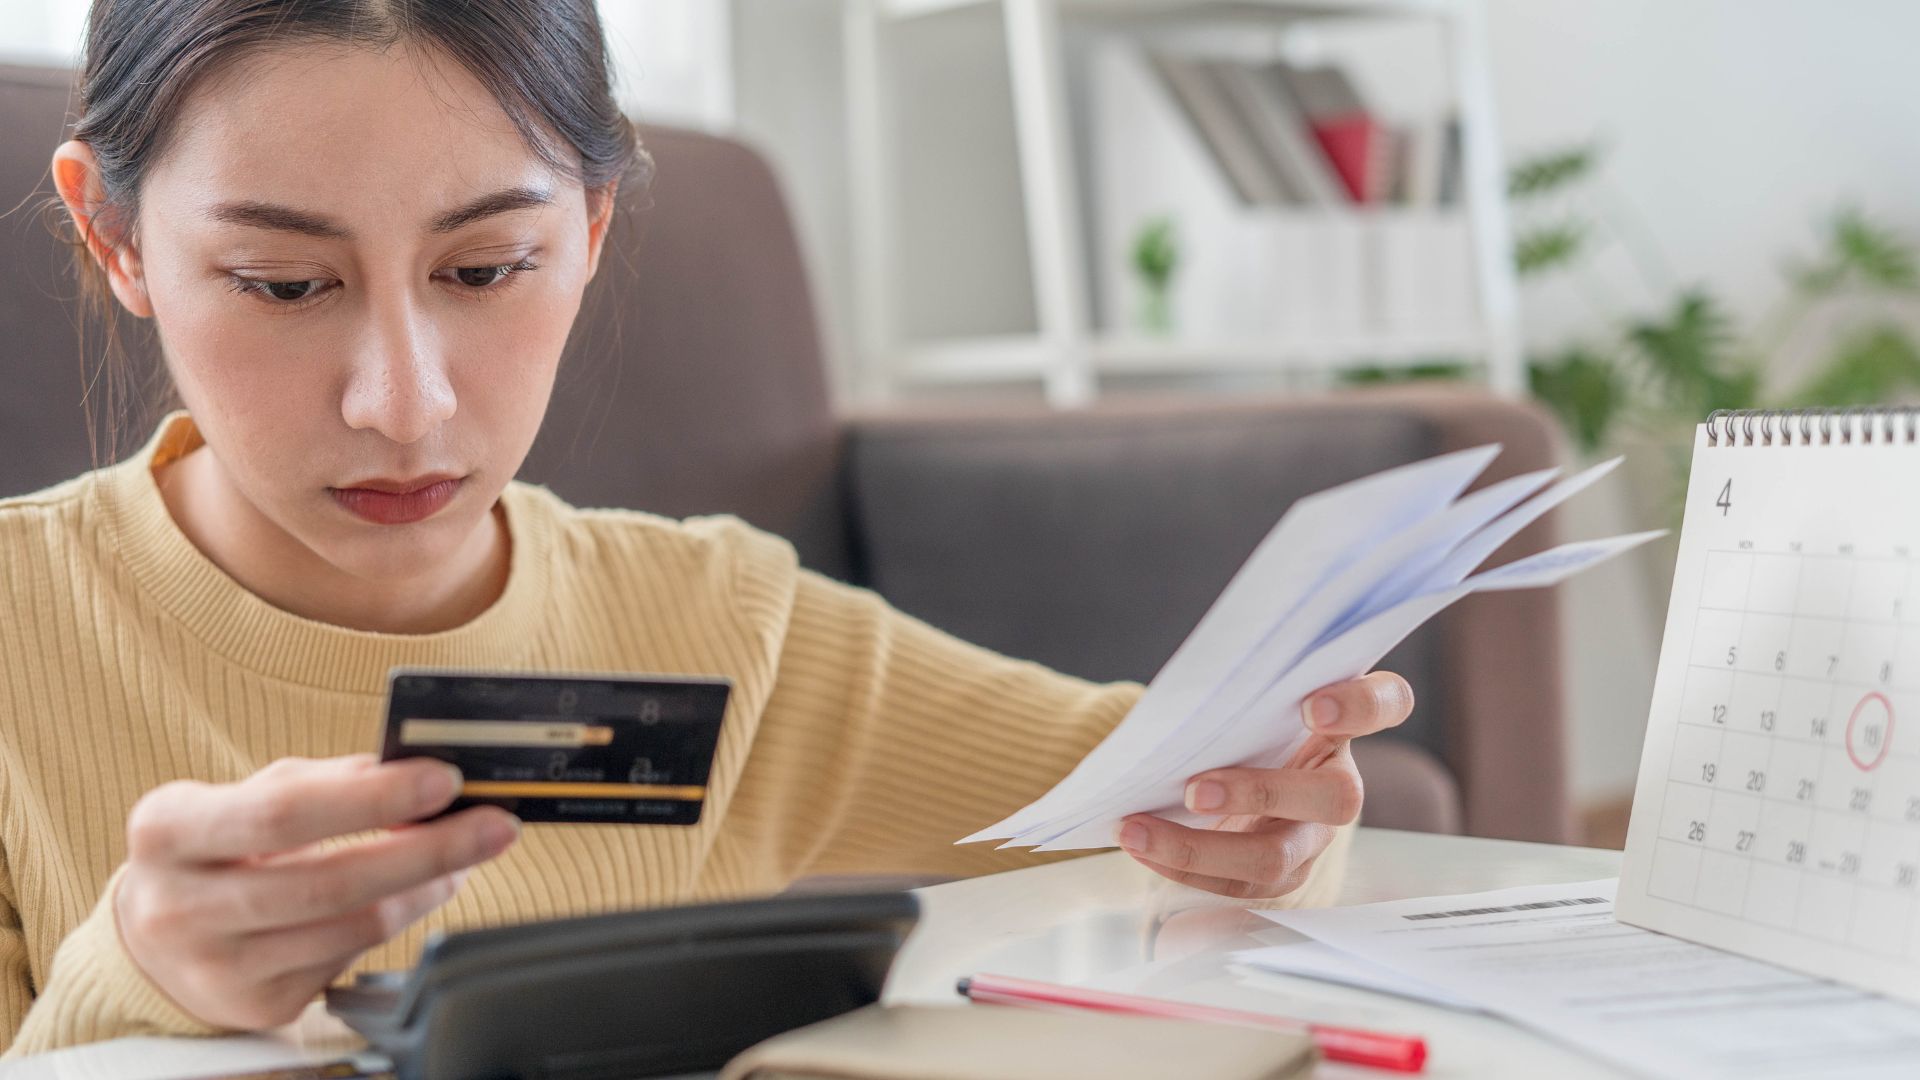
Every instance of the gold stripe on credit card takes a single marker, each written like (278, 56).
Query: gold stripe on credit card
(502, 733)
(563, 789)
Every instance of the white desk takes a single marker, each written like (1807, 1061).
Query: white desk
(1106, 921)
(1100, 920)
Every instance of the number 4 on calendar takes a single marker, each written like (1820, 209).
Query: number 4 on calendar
(1725, 501)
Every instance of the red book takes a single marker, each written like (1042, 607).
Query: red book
(1352, 143)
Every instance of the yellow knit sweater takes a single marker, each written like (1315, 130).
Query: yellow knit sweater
(857, 739)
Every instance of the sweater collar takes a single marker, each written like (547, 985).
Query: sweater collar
(235, 623)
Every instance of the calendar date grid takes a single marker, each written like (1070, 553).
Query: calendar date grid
(1807, 698)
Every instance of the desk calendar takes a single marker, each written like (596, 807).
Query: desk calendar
(1777, 812)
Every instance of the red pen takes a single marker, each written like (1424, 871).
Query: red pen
(1400, 1053)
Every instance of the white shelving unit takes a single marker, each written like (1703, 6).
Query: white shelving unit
(1066, 352)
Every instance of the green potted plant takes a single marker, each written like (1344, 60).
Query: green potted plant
(1156, 255)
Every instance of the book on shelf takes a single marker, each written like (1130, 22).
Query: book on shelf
(1396, 150)
(1261, 101)
(1285, 135)
(1353, 139)
(1451, 177)
(1420, 164)
(1228, 140)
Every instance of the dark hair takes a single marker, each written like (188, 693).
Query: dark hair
(545, 61)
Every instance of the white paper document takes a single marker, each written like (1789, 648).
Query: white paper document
(1318, 960)
(1343, 577)
(1554, 958)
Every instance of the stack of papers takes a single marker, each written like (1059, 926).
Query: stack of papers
(1341, 579)
(1554, 958)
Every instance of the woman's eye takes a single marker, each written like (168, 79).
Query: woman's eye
(480, 277)
(287, 290)
(490, 278)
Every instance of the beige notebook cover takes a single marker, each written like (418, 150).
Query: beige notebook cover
(990, 1042)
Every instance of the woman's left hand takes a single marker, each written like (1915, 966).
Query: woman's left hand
(1277, 821)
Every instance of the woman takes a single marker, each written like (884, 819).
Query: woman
(362, 229)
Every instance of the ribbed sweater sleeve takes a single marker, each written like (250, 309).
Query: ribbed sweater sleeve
(885, 740)
(95, 991)
(16, 978)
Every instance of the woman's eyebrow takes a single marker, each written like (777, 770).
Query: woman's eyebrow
(498, 202)
(261, 215)
(280, 218)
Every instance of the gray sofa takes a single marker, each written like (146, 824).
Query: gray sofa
(1091, 541)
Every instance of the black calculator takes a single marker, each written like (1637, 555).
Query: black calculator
(655, 993)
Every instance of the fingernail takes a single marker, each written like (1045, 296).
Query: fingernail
(499, 832)
(1206, 795)
(1133, 836)
(460, 878)
(438, 784)
(1322, 713)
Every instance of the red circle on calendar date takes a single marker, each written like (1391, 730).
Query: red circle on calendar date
(1886, 733)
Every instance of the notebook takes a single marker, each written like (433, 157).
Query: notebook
(1777, 812)
(989, 1042)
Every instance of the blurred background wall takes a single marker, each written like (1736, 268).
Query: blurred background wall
(1712, 151)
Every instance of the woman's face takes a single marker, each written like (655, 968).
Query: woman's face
(362, 277)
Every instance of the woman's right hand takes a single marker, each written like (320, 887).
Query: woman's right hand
(232, 905)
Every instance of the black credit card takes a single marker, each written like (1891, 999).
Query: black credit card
(609, 749)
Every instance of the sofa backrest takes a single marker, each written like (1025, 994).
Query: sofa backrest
(41, 420)
(695, 381)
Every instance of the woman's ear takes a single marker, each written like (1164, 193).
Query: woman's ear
(600, 204)
(76, 175)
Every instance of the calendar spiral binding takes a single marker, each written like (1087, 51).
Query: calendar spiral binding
(1822, 427)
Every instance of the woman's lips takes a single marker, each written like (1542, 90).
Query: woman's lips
(397, 504)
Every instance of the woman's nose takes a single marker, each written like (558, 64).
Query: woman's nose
(398, 385)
